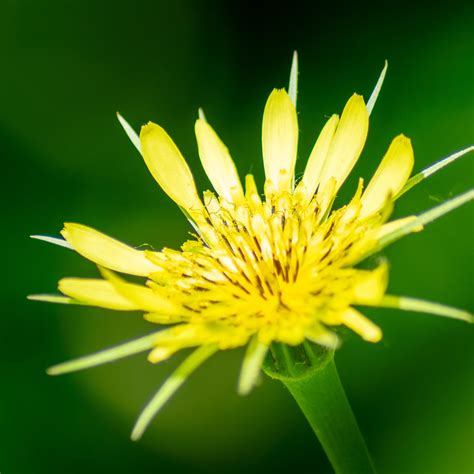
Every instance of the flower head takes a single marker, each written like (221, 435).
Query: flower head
(261, 268)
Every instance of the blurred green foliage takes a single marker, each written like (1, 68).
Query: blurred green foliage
(67, 66)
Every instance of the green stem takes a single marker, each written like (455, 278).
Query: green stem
(314, 383)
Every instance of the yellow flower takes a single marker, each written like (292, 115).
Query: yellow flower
(277, 267)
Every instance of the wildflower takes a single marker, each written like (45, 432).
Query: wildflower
(278, 267)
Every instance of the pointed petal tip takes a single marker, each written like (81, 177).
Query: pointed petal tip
(52, 240)
(403, 137)
(52, 371)
(293, 84)
(36, 297)
(201, 115)
(132, 135)
(378, 86)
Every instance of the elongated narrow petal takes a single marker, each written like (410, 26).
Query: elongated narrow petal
(251, 365)
(52, 240)
(280, 139)
(390, 177)
(383, 234)
(141, 296)
(59, 299)
(108, 355)
(160, 318)
(347, 143)
(421, 306)
(217, 163)
(361, 325)
(172, 384)
(393, 226)
(168, 167)
(434, 168)
(106, 251)
(201, 115)
(375, 93)
(293, 85)
(435, 213)
(312, 173)
(96, 293)
(134, 138)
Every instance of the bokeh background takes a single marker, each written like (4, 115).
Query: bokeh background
(66, 67)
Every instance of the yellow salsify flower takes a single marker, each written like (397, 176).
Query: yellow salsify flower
(278, 267)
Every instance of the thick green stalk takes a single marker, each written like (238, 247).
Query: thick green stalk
(311, 376)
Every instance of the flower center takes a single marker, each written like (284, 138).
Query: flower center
(273, 263)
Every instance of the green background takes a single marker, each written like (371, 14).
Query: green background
(66, 67)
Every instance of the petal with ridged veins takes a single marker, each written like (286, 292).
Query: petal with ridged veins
(169, 168)
(217, 163)
(348, 142)
(390, 177)
(279, 139)
(312, 172)
(95, 292)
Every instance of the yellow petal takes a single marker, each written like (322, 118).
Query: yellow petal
(106, 251)
(348, 141)
(279, 139)
(316, 160)
(361, 325)
(322, 336)
(390, 177)
(143, 297)
(95, 292)
(168, 167)
(371, 285)
(160, 318)
(176, 338)
(218, 163)
(251, 366)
